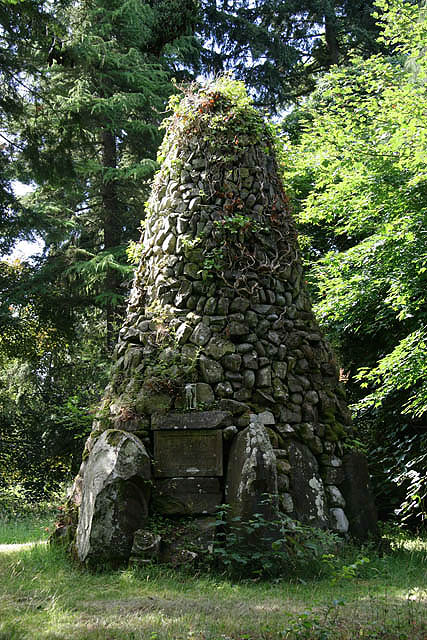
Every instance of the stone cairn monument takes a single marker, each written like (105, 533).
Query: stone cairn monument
(223, 387)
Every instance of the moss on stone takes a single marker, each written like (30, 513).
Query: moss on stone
(341, 392)
(335, 432)
(113, 436)
(273, 438)
(328, 416)
(143, 433)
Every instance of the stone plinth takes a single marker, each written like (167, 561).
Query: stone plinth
(189, 420)
(187, 496)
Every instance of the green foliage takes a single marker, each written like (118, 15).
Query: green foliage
(84, 87)
(21, 519)
(86, 135)
(355, 167)
(213, 263)
(404, 369)
(279, 48)
(168, 370)
(231, 229)
(134, 251)
(414, 480)
(314, 624)
(26, 28)
(46, 409)
(340, 571)
(269, 548)
(239, 223)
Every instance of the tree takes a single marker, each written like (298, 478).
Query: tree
(85, 135)
(279, 48)
(88, 138)
(358, 178)
(23, 36)
(45, 405)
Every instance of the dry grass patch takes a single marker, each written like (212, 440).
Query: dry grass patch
(45, 597)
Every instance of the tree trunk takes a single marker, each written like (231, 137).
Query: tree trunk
(331, 34)
(112, 227)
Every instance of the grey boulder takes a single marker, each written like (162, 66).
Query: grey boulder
(252, 475)
(307, 488)
(115, 497)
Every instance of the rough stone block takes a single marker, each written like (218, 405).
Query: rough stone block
(285, 430)
(211, 370)
(115, 495)
(197, 535)
(232, 362)
(263, 377)
(307, 487)
(239, 305)
(251, 474)
(233, 406)
(265, 418)
(236, 328)
(250, 360)
(229, 432)
(151, 402)
(201, 334)
(338, 520)
(248, 379)
(146, 546)
(282, 482)
(286, 503)
(356, 489)
(204, 394)
(335, 497)
(224, 390)
(187, 496)
(189, 420)
(333, 475)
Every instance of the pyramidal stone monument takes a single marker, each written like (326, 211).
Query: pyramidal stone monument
(224, 389)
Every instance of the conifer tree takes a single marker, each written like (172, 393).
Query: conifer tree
(89, 137)
(24, 35)
(84, 87)
(279, 47)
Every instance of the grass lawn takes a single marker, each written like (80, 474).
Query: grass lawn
(44, 596)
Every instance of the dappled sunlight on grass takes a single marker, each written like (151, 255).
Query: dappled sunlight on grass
(25, 529)
(45, 596)
(415, 595)
(14, 548)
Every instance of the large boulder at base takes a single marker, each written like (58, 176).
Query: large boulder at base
(115, 496)
(356, 488)
(306, 487)
(252, 475)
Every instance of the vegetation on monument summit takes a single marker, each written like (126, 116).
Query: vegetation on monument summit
(221, 119)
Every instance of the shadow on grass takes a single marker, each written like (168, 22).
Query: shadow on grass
(44, 596)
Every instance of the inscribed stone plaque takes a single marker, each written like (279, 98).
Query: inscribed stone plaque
(185, 496)
(187, 453)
